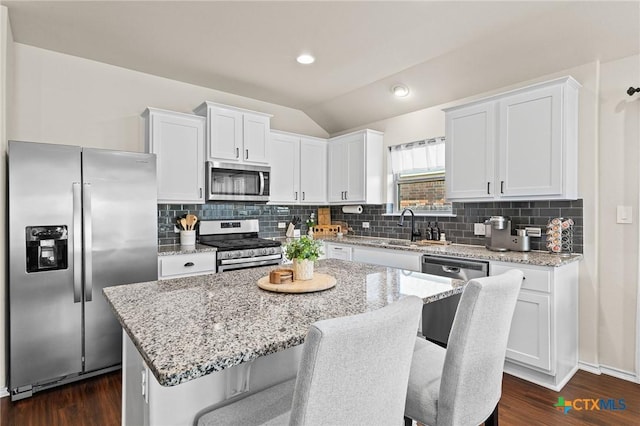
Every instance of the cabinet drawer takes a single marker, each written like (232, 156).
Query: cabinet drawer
(186, 264)
(534, 278)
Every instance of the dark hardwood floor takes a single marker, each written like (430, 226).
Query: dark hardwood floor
(96, 401)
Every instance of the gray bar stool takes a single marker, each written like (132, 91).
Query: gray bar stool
(461, 385)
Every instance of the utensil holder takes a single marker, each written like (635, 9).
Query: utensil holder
(188, 238)
(560, 236)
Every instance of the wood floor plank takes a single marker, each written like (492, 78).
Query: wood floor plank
(97, 401)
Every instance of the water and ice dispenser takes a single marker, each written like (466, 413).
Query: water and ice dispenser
(47, 248)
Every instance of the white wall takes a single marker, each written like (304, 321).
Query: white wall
(6, 78)
(69, 100)
(619, 185)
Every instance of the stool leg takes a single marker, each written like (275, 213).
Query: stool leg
(492, 420)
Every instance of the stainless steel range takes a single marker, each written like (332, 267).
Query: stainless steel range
(238, 244)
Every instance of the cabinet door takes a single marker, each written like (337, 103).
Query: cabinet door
(285, 168)
(225, 134)
(338, 177)
(356, 169)
(470, 152)
(313, 171)
(178, 142)
(256, 130)
(531, 143)
(530, 336)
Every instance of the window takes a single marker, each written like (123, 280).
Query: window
(418, 176)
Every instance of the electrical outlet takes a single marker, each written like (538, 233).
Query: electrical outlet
(282, 225)
(478, 229)
(533, 231)
(365, 225)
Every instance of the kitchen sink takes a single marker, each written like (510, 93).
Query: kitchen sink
(391, 243)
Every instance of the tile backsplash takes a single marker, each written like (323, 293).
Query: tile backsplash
(459, 229)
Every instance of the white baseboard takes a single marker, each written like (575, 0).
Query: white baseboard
(3, 392)
(609, 371)
(589, 367)
(620, 374)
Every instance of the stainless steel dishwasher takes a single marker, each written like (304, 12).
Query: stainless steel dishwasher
(437, 317)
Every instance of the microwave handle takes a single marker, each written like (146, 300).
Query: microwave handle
(261, 174)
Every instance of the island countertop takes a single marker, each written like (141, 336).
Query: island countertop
(186, 328)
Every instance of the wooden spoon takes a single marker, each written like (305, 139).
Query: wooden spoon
(191, 221)
(183, 222)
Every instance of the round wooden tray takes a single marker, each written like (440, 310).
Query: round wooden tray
(319, 282)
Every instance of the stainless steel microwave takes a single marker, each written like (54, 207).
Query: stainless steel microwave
(237, 182)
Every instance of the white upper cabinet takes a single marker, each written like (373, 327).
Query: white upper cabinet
(177, 139)
(469, 153)
(298, 169)
(313, 170)
(355, 168)
(285, 168)
(235, 134)
(520, 145)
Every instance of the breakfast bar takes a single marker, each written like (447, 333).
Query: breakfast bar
(192, 342)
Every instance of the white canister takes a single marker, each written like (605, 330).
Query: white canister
(188, 238)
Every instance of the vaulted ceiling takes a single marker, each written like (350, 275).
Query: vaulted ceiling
(442, 51)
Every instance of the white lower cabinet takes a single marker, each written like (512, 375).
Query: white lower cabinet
(388, 257)
(543, 341)
(184, 265)
(336, 251)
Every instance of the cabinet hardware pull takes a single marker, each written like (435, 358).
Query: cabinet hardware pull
(488, 185)
(188, 264)
(237, 152)
(296, 196)
(200, 192)
(247, 157)
(302, 195)
(502, 187)
(345, 195)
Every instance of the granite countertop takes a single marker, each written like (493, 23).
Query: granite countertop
(540, 258)
(170, 250)
(186, 328)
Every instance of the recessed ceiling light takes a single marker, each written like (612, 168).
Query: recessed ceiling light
(305, 59)
(400, 90)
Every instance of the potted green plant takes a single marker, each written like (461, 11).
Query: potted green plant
(303, 252)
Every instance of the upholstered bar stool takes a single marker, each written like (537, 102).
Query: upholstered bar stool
(461, 385)
(354, 370)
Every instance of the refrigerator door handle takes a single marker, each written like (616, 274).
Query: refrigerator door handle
(86, 218)
(77, 243)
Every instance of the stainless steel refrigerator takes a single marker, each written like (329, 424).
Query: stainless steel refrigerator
(80, 219)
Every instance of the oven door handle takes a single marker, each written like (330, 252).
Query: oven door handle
(250, 259)
(229, 267)
(261, 174)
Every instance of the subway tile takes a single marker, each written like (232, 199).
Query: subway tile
(550, 212)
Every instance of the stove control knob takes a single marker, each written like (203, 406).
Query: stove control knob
(264, 251)
(249, 253)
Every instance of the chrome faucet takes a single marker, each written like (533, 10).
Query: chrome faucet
(414, 233)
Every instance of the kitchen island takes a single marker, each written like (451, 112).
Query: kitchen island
(207, 338)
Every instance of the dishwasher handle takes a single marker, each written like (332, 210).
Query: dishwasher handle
(451, 269)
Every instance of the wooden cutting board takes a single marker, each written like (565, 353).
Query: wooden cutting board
(324, 216)
(319, 282)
